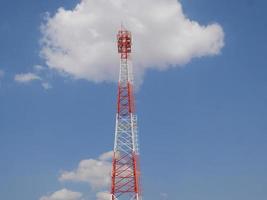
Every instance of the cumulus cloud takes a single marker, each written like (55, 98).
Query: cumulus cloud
(63, 194)
(26, 77)
(38, 68)
(106, 156)
(103, 196)
(39, 73)
(46, 85)
(96, 172)
(81, 42)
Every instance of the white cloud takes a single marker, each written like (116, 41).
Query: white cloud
(96, 172)
(106, 156)
(63, 194)
(81, 42)
(29, 77)
(103, 196)
(26, 77)
(46, 85)
(38, 68)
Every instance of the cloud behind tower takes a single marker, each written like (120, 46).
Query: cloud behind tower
(81, 42)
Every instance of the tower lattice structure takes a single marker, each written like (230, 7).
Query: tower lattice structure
(125, 164)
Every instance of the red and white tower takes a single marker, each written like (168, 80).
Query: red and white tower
(125, 165)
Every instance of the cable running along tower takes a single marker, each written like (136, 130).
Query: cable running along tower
(125, 164)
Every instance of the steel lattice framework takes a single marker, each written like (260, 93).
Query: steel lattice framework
(125, 165)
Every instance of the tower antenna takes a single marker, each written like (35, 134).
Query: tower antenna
(125, 177)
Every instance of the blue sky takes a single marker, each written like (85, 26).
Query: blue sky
(202, 128)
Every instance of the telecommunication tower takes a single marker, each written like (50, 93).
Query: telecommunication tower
(125, 174)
